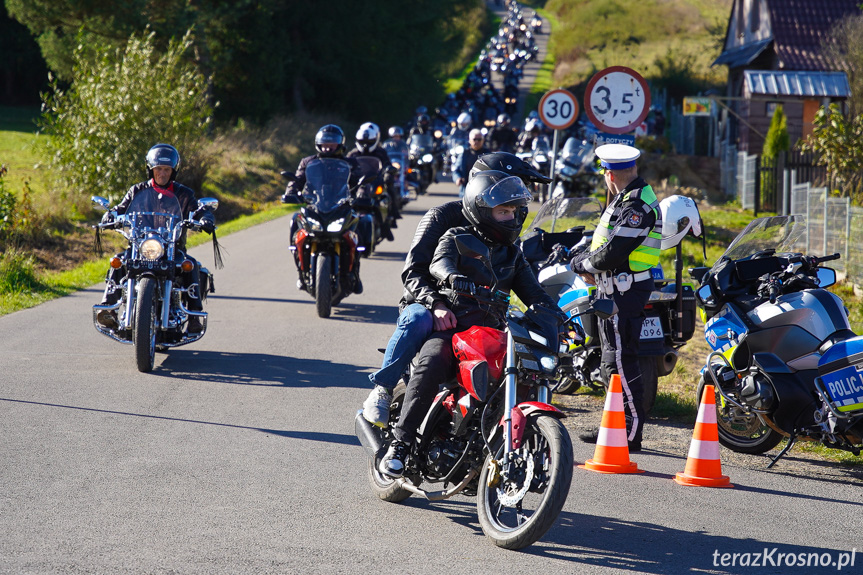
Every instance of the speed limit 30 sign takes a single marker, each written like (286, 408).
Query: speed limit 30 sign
(617, 100)
(558, 109)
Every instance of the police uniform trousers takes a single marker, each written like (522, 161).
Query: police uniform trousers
(619, 336)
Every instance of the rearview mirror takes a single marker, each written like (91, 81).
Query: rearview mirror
(288, 176)
(471, 246)
(209, 204)
(826, 277)
(101, 202)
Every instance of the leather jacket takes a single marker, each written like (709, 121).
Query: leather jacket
(512, 270)
(420, 287)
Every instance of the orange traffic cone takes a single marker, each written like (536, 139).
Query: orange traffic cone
(612, 447)
(703, 467)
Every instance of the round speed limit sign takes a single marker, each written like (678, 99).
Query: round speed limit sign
(617, 100)
(558, 109)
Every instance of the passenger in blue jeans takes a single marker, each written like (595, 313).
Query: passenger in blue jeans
(422, 310)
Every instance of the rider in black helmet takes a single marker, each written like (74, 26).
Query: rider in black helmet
(494, 204)
(422, 309)
(162, 163)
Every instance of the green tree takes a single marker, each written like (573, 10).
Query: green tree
(836, 140)
(122, 102)
(777, 139)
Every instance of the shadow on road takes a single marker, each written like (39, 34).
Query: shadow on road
(306, 435)
(259, 369)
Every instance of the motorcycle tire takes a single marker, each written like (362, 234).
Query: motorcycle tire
(738, 431)
(650, 381)
(384, 487)
(324, 285)
(144, 331)
(508, 523)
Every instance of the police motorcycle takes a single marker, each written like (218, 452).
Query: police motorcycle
(421, 153)
(152, 314)
(326, 247)
(372, 204)
(563, 227)
(491, 431)
(785, 362)
(577, 173)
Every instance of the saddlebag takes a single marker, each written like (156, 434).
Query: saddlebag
(841, 371)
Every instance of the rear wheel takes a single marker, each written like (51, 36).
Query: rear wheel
(144, 333)
(517, 508)
(324, 285)
(383, 486)
(740, 431)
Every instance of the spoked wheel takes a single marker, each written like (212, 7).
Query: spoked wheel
(384, 487)
(740, 431)
(518, 504)
(144, 334)
(323, 285)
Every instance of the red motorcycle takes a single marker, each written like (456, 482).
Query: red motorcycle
(492, 431)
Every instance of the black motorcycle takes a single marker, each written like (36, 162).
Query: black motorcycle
(325, 245)
(152, 312)
(421, 153)
(577, 173)
(372, 203)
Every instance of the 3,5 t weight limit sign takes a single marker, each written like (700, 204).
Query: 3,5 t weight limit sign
(558, 109)
(617, 100)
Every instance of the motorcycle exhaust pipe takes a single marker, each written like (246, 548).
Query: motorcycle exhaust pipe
(368, 434)
(669, 360)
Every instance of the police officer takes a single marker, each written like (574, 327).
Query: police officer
(625, 247)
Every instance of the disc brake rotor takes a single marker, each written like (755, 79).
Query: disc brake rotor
(510, 493)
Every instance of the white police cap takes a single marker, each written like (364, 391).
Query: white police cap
(617, 156)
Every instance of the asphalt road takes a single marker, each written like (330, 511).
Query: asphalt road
(237, 454)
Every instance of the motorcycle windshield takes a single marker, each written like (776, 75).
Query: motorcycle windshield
(779, 233)
(540, 145)
(369, 166)
(421, 141)
(153, 210)
(327, 179)
(560, 214)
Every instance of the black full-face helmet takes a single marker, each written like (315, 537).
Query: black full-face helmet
(163, 155)
(511, 165)
(488, 190)
(327, 135)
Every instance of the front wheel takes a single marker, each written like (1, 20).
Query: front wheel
(324, 285)
(518, 504)
(740, 431)
(144, 334)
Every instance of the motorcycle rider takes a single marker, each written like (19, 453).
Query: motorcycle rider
(495, 206)
(367, 139)
(525, 139)
(625, 246)
(503, 137)
(465, 161)
(329, 143)
(162, 162)
(422, 309)
(396, 139)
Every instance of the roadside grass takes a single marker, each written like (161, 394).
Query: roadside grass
(452, 85)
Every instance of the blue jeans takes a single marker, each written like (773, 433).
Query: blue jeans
(414, 326)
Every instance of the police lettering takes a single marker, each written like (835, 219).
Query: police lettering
(844, 386)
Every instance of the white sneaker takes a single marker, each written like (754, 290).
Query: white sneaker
(376, 407)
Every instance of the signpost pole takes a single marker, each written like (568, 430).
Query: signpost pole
(553, 173)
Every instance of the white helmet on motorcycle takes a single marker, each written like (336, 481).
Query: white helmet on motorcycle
(368, 137)
(680, 216)
(463, 121)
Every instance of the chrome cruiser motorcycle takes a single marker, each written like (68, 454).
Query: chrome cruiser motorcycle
(785, 362)
(152, 313)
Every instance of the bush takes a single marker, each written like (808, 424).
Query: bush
(121, 103)
(17, 272)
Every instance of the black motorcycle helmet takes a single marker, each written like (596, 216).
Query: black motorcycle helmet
(330, 134)
(163, 155)
(503, 120)
(511, 165)
(423, 121)
(487, 190)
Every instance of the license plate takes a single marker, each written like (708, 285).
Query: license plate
(845, 388)
(651, 328)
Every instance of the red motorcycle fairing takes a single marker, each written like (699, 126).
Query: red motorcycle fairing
(300, 243)
(522, 411)
(482, 343)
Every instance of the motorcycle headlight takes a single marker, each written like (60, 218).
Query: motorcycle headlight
(314, 224)
(151, 249)
(428, 158)
(397, 165)
(336, 226)
(438, 133)
(548, 363)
